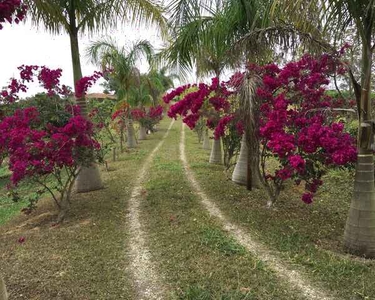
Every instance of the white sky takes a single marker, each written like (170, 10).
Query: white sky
(25, 44)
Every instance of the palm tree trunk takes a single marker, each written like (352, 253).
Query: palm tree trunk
(122, 138)
(206, 140)
(240, 172)
(114, 154)
(216, 156)
(359, 237)
(89, 178)
(142, 133)
(74, 50)
(131, 142)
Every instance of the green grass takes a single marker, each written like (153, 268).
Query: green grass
(217, 240)
(196, 257)
(308, 236)
(9, 208)
(85, 257)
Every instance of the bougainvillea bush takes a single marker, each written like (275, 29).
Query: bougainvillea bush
(294, 129)
(148, 119)
(119, 118)
(297, 140)
(100, 114)
(47, 152)
(214, 103)
(201, 100)
(11, 11)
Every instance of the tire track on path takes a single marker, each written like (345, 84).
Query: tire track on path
(148, 283)
(294, 278)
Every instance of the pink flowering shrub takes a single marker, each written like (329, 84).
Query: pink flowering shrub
(148, 119)
(212, 106)
(200, 100)
(293, 129)
(82, 85)
(100, 115)
(138, 114)
(44, 150)
(11, 11)
(49, 79)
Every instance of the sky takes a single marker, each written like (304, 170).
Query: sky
(25, 44)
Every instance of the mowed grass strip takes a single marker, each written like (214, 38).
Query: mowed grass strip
(197, 258)
(85, 257)
(307, 236)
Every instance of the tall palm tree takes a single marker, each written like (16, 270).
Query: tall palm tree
(79, 16)
(125, 77)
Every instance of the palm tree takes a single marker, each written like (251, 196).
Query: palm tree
(140, 96)
(125, 77)
(158, 82)
(205, 38)
(78, 16)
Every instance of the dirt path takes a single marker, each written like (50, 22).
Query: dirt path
(295, 279)
(148, 283)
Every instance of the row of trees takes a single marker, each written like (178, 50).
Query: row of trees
(220, 35)
(226, 34)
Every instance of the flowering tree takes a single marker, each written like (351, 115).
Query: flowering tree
(100, 114)
(11, 11)
(293, 129)
(209, 101)
(147, 119)
(119, 117)
(40, 149)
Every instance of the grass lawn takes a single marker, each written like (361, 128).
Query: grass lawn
(308, 236)
(196, 257)
(85, 257)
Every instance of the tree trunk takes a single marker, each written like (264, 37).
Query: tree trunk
(3, 290)
(359, 237)
(89, 177)
(131, 142)
(90, 180)
(65, 207)
(216, 156)
(114, 154)
(142, 133)
(122, 138)
(206, 140)
(240, 173)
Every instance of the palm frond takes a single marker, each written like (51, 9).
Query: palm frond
(283, 35)
(51, 14)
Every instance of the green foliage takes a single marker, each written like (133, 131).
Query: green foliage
(94, 15)
(52, 109)
(352, 128)
(199, 128)
(231, 145)
(100, 114)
